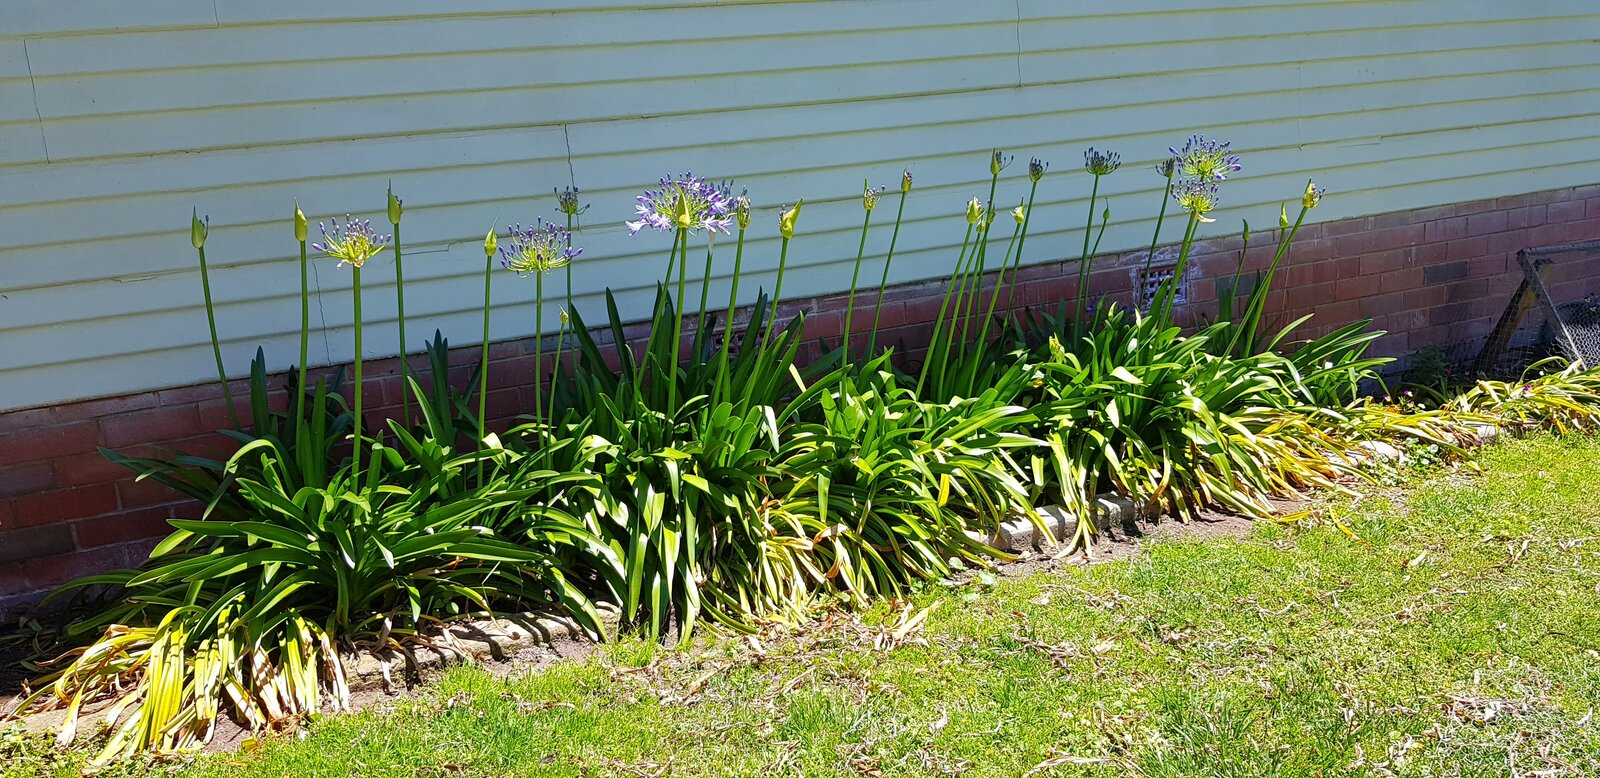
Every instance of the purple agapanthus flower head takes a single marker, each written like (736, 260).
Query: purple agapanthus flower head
(1196, 196)
(540, 248)
(1206, 160)
(686, 203)
(567, 201)
(352, 242)
(1101, 163)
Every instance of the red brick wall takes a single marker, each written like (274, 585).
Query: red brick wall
(1433, 276)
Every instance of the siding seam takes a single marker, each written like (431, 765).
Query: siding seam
(566, 137)
(33, 86)
(1018, 44)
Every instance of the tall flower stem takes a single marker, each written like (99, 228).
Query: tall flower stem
(938, 323)
(705, 284)
(216, 345)
(305, 327)
(883, 283)
(1162, 304)
(677, 323)
(1156, 238)
(1016, 264)
(727, 325)
(777, 292)
(483, 364)
(400, 312)
(983, 252)
(1083, 264)
(560, 341)
(968, 275)
(1258, 296)
(538, 345)
(355, 434)
(1016, 238)
(855, 277)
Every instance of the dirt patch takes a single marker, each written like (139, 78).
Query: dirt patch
(1128, 541)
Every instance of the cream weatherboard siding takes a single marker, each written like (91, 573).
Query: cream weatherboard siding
(116, 118)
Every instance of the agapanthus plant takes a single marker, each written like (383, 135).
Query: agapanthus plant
(883, 282)
(396, 208)
(1098, 164)
(683, 206)
(198, 231)
(535, 251)
(869, 202)
(353, 243)
(1166, 168)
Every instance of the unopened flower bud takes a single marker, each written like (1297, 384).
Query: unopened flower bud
(787, 218)
(905, 181)
(1283, 214)
(869, 196)
(998, 162)
(1313, 195)
(1019, 213)
(974, 210)
(395, 208)
(299, 224)
(741, 211)
(1036, 168)
(490, 243)
(198, 230)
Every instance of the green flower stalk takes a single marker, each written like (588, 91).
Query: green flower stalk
(1251, 319)
(677, 324)
(560, 341)
(568, 204)
(974, 213)
(1099, 164)
(396, 208)
(786, 222)
(682, 205)
(705, 288)
(198, 230)
(869, 201)
(1036, 171)
(998, 162)
(489, 246)
(305, 318)
(741, 208)
(353, 243)
(1165, 169)
(1019, 215)
(537, 251)
(883, 283)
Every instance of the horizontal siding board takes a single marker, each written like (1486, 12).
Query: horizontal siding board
(476, 110)
(50, 17)
(563, 34)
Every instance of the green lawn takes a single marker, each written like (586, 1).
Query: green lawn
(1448, 630)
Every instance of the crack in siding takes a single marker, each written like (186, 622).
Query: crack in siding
(566, 137)
(1019, 43)
(34, 87)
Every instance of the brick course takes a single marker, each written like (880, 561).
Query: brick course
(1437, 276)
